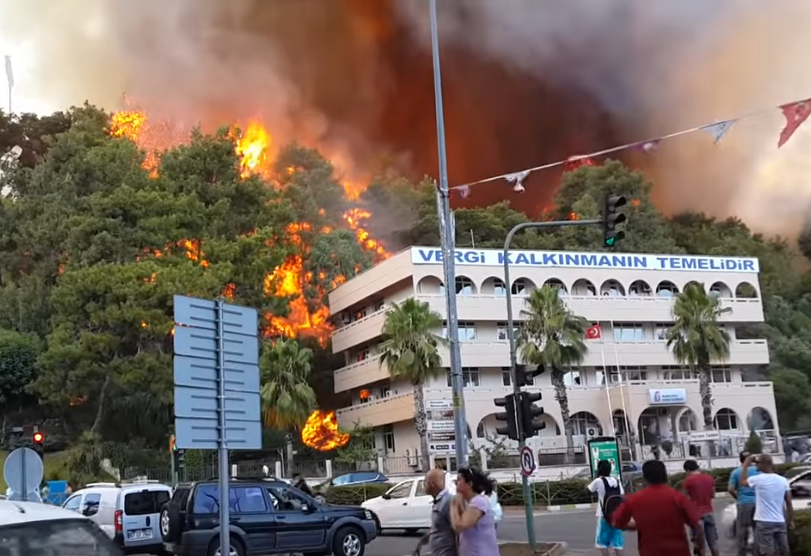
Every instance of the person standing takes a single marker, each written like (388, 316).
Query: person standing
(441, 537)
(659, 514)
(700, 488)
(744, 496)
(300, 483)
(471, 515)
(609, 497)
(773, 510)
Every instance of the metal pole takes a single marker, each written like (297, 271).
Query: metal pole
(24, 479)
(225, 521)
(526, 491)
(446, 239)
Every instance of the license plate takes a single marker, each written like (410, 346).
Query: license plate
(139, 535)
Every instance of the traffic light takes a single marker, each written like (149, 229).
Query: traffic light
(527, 412)
(526, 377)
(172, 444)
(39, 444)
(180, 460)
(510, 430)
(611, 218)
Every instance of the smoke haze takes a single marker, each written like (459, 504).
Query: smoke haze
(526, 82)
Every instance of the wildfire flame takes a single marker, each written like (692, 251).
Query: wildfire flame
(322, 433)
(252, 146)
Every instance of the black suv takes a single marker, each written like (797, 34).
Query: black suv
(268, 516)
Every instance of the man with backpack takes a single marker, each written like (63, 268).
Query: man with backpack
(610, 496)
(700, 488)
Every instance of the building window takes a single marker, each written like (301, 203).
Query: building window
(385, 391)
(502, 330)
(470, 376)
(506, 377)
(628, 332)
(726, 420)
(520, 287)
(678, 373)
(660, 330)
(572, 379)
(666, 289)
(634, 373)
(380, 305)
(480, 432)
(362, 355)
(464, 286)
(467, 330)
(612, 288)
(611, 372)
(388, 441)
(498, 287)
(639, 287)
(721, 374)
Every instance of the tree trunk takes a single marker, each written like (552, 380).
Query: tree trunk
(705, 392)
(562, 398)
(100, 409)
(421, 425)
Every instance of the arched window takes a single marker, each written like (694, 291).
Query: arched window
(745, 290)
(639, 287)
(666, 289)
(464, 286)
(583, 287)
(726, 420)
(555, 283)
(498, 287)
(612, 288)
(521, 286)
(719, 289)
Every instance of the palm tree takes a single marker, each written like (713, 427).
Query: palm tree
(697, 340)
(553, 336)
(409, 350)
(287, 397)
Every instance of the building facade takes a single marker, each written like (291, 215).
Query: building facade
(629, 384)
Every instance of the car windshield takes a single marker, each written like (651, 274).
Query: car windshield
(65, 537)
(146, 502)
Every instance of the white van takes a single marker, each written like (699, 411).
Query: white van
(129, 513)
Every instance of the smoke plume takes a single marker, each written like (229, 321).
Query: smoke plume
(526, 82)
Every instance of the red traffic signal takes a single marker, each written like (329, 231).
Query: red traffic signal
(39, 438)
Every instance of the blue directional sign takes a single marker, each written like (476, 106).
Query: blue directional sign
(216, 373)
(23, 474)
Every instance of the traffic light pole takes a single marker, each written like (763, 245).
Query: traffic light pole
(513, 358)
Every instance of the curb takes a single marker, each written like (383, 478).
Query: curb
(569, 507)
(559, 549)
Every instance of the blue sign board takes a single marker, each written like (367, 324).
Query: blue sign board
(23, 474)
(216, 372)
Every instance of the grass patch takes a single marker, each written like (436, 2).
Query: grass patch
(54, 467)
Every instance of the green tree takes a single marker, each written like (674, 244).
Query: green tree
(698, 340)
(791, 393)
(361, 448)
(287, 398)
(410, 351)
(18, 367)
(552, 335)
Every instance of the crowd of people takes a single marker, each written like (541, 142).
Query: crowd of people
(465, 523)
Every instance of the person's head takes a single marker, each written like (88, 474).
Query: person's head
(435, 482)
(654, 472)
(472, 482)
(296, 477)
(691, 466)
(764, 463)
(604, 468)
(745, 454)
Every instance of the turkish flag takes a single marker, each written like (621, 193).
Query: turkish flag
(796, 113)
(594, 332)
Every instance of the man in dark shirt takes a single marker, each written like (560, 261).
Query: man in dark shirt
(700, 487)
(441, 537)
(660, 514)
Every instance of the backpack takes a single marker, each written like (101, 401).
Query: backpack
(612, 499)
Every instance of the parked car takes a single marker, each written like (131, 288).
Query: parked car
(32, 528)
(348, 479)
(129, 513)
(406, 505)
(268, 516)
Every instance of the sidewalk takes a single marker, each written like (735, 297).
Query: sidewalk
(511, 510)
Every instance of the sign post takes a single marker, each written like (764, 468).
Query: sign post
(23, 472)
(605, 448)
(527, 461)
(216, 376)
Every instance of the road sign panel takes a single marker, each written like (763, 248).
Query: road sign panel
(203, 403)
(202, 313)
(204, 434)
(704, 436)
(202, 373)
(203, 343)
(527, 461)
(23, 471)
(605, 448)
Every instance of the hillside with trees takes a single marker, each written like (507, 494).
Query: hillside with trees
(92, 249)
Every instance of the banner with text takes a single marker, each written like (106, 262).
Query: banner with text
(564, 259)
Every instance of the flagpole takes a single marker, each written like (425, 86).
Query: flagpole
(607, 390)
(622, 390)
(10, 80)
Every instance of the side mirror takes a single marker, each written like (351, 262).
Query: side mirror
(386, 496)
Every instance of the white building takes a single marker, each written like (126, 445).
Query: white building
(629, 295)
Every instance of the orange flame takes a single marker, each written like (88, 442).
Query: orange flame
(322, 433)
(252, 147)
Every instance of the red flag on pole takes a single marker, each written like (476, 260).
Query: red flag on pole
(796, 113)
(594, 332)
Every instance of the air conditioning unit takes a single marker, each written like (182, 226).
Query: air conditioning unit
(591, 433)
(411, 458)
(388, 393)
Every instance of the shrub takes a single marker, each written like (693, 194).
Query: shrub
(355, 495)
(753, 444)
(800, 537)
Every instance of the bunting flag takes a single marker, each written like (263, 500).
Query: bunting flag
(796, 113)
(718, 129)
(9, 73)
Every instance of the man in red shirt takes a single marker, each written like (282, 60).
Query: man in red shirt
(660, 514)
(700, 487)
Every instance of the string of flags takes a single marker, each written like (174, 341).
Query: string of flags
(795, 113)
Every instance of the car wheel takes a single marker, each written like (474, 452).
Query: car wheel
(236, 547)
(170, 523)
(348, 541)
(412, 531)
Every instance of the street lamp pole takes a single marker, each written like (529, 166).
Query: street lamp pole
(446, 234)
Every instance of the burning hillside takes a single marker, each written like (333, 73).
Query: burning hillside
(255, 148)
